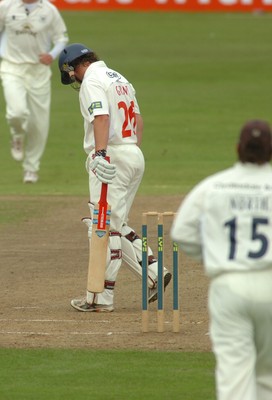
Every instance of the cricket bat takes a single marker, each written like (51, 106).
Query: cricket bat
(99, 243)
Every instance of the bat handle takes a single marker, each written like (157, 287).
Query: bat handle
(104, 188)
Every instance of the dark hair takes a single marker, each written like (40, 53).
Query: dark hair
(255, 142)
(88, 57)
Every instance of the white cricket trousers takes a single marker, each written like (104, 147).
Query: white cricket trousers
(27, 92)
(240, 306)
(130, 165)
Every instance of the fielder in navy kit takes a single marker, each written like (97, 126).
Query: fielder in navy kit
(226, 222)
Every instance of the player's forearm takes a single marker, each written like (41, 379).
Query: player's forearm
(140, 128)
(59, 46)
(101, 131)
(46, 59)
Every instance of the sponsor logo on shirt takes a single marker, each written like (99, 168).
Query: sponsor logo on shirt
(113, 74)
(27, 30)
(94, 105)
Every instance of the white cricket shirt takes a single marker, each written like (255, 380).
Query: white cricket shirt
(106, 92)
(25, 35)
(226, 220)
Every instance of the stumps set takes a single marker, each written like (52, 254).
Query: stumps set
(160, 217)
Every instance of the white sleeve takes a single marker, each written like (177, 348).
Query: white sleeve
(57, 49)
(186, 225)
(93, 101)
(136, 108)
(3, 11)
(59, 34)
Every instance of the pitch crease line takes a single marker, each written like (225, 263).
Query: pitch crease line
(50, 320)
(66, 333)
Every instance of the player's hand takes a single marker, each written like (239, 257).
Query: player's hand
(45, 59)
(103, 170)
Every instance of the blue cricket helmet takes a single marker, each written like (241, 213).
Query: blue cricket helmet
(66, 58)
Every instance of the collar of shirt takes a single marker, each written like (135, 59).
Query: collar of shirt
(93, 66)
(252, 167)
(31, 6)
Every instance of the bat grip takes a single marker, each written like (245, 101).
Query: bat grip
(104, 187)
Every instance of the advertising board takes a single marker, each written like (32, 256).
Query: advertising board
(166, 5)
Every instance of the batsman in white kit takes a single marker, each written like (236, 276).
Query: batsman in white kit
(226, 222)
(113, 130)
(33, 34)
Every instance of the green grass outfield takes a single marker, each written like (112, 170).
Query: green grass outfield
(101, 375)
(198, 77)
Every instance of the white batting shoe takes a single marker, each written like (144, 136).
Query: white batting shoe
(153, 293)
(82, 305)
(30, 177)
(17, 148)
